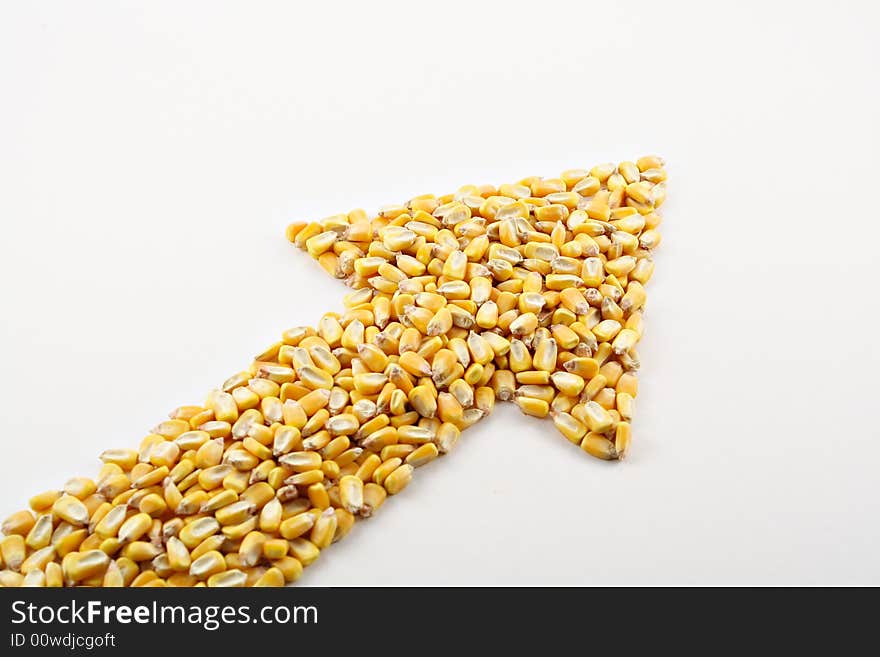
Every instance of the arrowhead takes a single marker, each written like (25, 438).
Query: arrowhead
(531, 292)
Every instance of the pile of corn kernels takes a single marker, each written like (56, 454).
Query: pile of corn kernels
(531, 292)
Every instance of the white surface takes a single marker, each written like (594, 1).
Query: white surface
(150, 157)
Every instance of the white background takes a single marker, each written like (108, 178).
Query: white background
(151, 155)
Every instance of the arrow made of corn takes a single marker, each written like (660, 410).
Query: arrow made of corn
(530, 292)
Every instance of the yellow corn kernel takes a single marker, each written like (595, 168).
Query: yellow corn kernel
(597, 418)
(275, 548)
(210, 563)
(198, 530)
(597, 445)
(273, 577)
(302, 461)
(503, 384)
(545, 356)
(178, 554)
(397, 480)
(140, 551)
(605, 398)
(625, 403)
(627, 383)
(304, 551)
(622, 437)
(12, 551)
(44, 501)
(525, 324)
(124, 458)
(481, 351)
(399, 451)
(21, 522)
(324, 529)
(586, 368)
(351, 493)
(296, 526)
(569, 427)
(70, 509)
(567, 383)
(474, 374)
(94, 542)
(135, 527)
(564, 336)
(40, 534)
(533, 377)
(446, 437)
(387, 467)
(240, 530)
(289, 568)
(612, 371)
(422, 455)
(368, 467)
(625, 340)
(532, 406)
(423, 400)
(597, 383)
(228, 578)
(192, 502)
(251, 549)
(78, 566)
